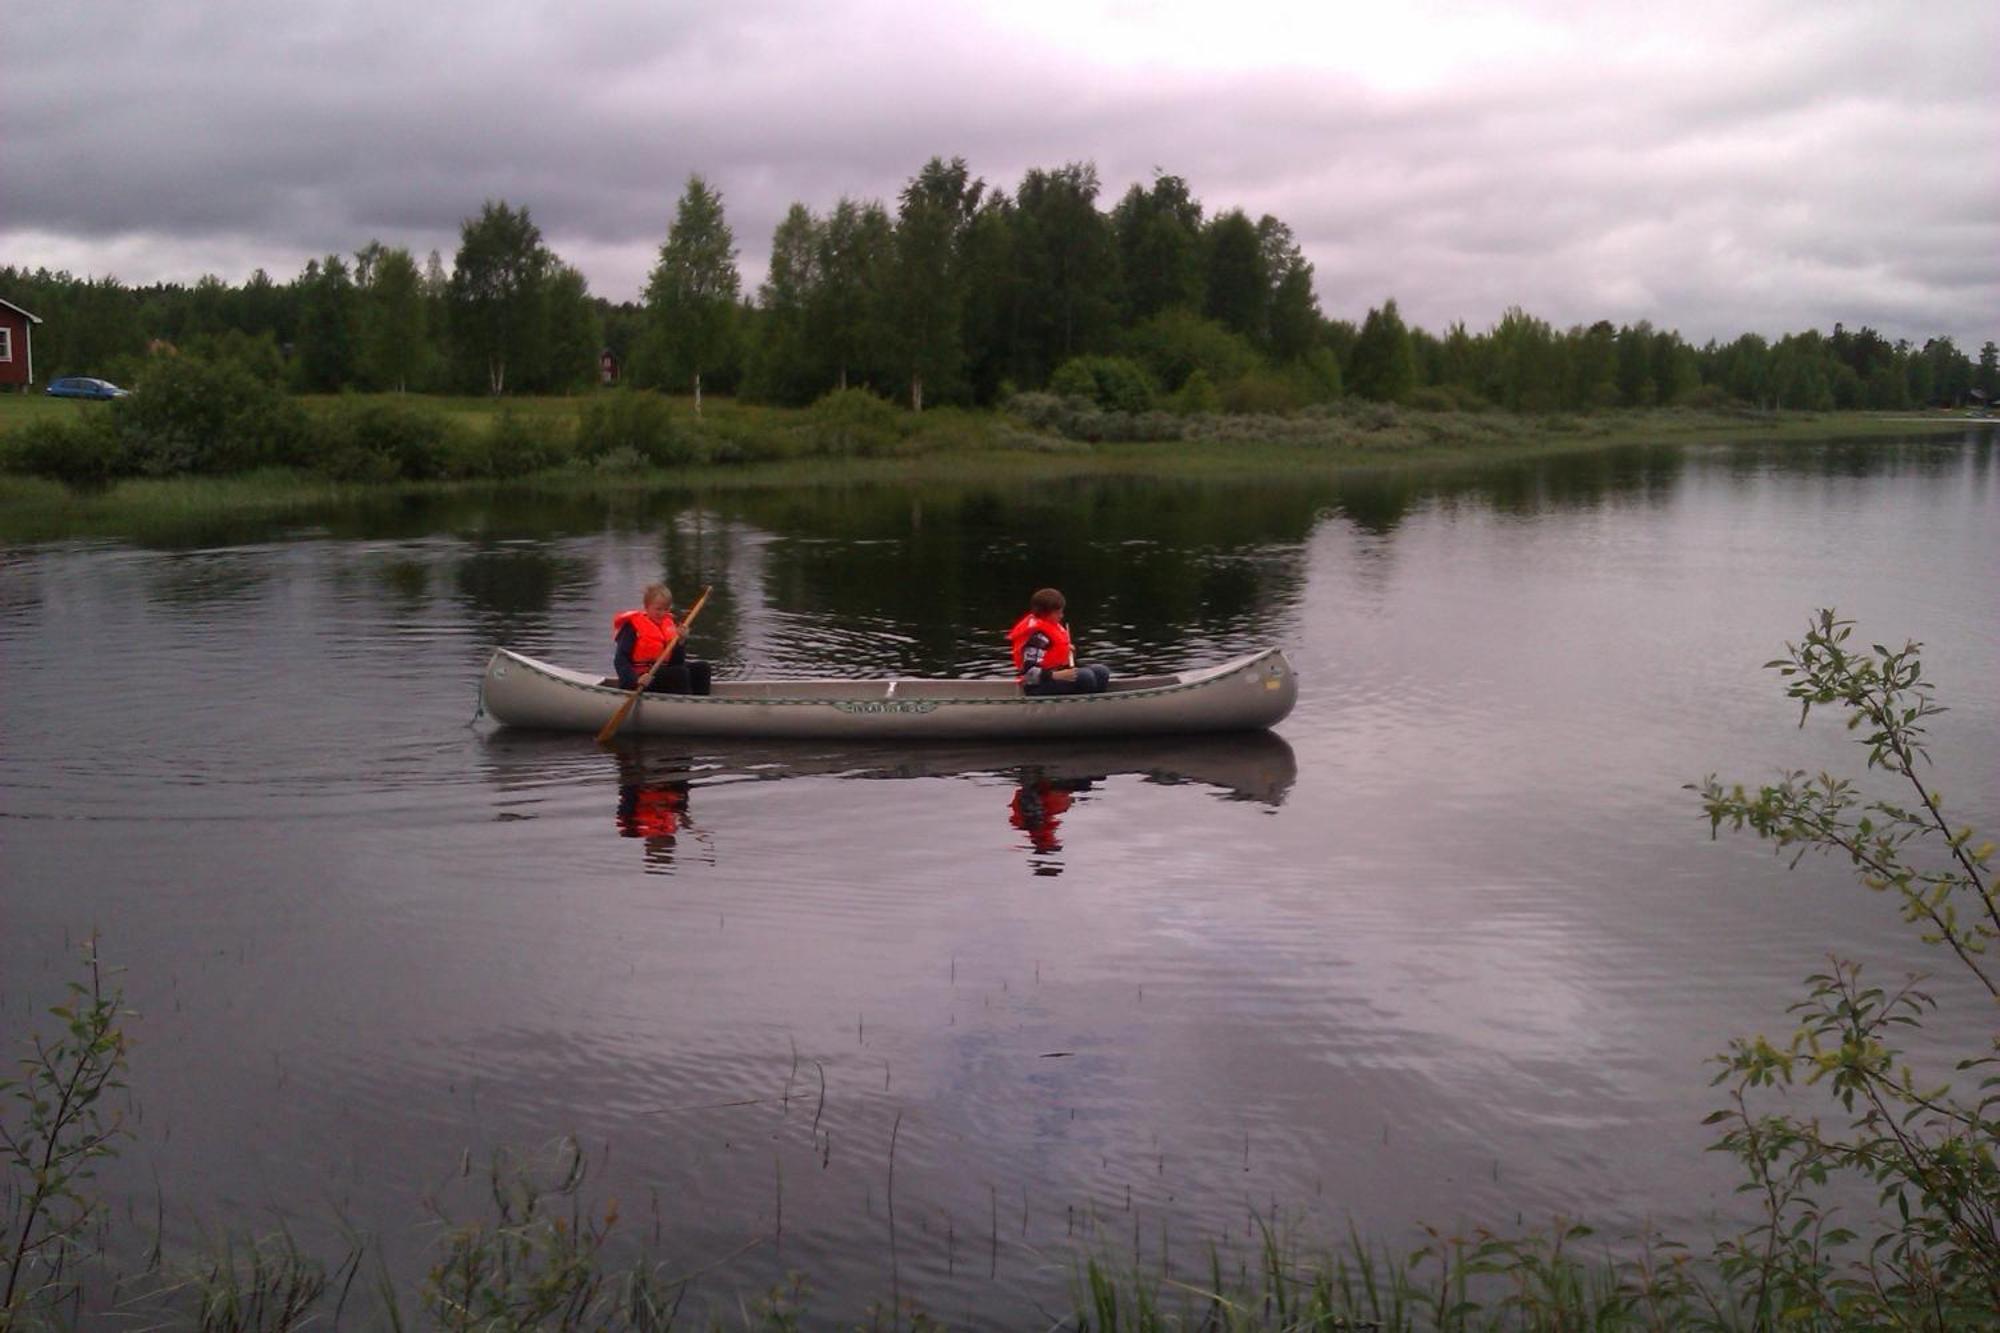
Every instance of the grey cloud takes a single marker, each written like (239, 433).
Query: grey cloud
(1746, 166)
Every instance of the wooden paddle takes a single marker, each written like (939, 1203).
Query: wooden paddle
(632, 700)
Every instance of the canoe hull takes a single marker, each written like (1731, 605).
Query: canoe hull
(1248, 694)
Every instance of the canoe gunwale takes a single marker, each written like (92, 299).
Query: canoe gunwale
(1194, 678)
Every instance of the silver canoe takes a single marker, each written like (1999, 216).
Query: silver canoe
(1247, 694)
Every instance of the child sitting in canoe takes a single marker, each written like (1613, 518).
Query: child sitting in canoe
(1043, 660)
(641, 636)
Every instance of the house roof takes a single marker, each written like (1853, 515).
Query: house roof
(32, 317)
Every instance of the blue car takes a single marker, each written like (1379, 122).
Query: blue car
(82, 386)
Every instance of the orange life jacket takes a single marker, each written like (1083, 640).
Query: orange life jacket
(650, 641)
(1057, 655)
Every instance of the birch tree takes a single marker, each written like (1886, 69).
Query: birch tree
(929, 295)
(497, 289)
(393, 317)
(691, 296)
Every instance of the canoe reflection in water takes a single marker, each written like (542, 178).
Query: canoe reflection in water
(657, 784)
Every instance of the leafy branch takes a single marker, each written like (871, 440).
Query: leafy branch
(56, 1134)
(1929, 1151)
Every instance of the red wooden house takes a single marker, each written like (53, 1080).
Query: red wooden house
(17, 346)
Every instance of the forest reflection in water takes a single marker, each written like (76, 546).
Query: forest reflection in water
(919, 581)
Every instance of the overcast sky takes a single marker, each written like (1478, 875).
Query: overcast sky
(1765, 165)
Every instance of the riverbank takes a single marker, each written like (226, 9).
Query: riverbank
(741, 447)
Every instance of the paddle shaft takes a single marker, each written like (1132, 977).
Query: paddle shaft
(632, 699)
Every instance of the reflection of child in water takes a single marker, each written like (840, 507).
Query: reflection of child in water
(653, 811)
(1037, 810)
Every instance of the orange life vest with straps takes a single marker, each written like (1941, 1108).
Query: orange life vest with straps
(650, 640)
(1054, 658)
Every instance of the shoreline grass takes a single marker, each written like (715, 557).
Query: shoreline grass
(945, 447)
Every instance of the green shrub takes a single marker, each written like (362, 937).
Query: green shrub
(1262, 392)
(1432, 398)
(948, 430)
(516, 447)
(460, 454)
(728, 434)
(187, 414)
(1916, 1137)
(1077, 419)
(1173, 344)
(619, 461)
(634, 420)
(737, 443)
(1113, 383)
(1074, 380)
(1465, 398)
(852, 423)
(1041, 411)
(84, 452)
(1369, 415)
(1317, 376)
(1198, 395)
(374, 441)
(1148, 427)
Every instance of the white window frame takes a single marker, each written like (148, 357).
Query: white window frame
(6, 342)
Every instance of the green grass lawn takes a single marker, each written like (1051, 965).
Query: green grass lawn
(20, 409)
(476, 408)
(480, 409)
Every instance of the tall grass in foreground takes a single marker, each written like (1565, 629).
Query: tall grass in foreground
(1536, 1283)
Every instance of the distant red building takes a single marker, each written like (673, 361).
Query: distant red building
(17, 346)
(607, 367)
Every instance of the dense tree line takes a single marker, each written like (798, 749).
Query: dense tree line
(961, 292)
(509, 316)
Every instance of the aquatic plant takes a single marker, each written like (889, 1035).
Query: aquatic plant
(1544, 1281)
(265, 1285)
(61, 1123)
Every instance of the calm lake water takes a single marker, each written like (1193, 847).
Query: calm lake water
(1451, 947)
